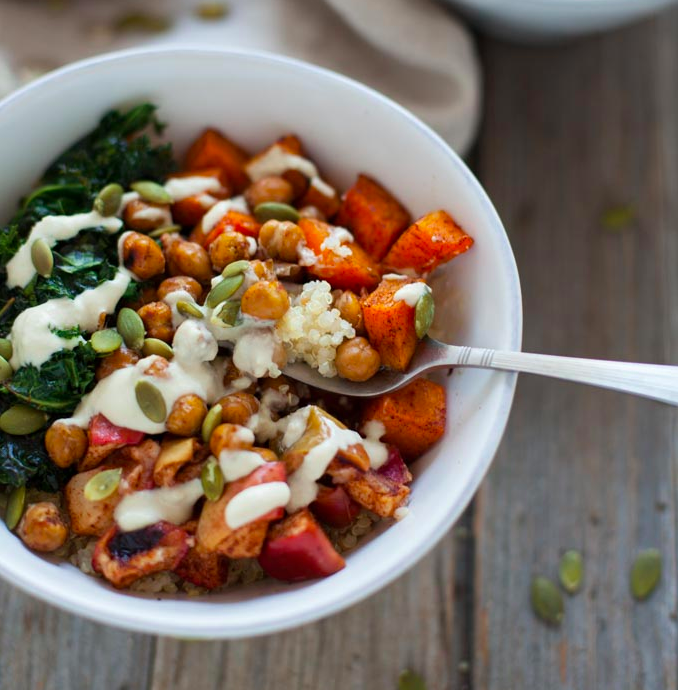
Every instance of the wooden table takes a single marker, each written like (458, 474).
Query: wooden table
(570, 133)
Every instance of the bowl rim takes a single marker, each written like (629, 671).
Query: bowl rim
(125, 617)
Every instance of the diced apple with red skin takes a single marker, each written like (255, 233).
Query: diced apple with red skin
(385, 490)
(103, 432)
(214, 535)
(334, 507)
(297, 549)
(123, 557)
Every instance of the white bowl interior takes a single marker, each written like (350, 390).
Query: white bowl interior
(346, 128)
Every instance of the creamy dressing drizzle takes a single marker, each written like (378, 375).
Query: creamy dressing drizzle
(393, 276)
(254, 502)
(219, 210)
(180, 188)
(236, 464)
(411, 293)
(376, 450)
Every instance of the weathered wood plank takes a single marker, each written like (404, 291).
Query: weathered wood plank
(571, 131)
(42, 648)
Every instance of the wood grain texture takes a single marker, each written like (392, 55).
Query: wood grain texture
(570, 132)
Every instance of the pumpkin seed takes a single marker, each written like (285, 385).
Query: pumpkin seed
(102, 484)
(409, 680)
(223, 290)
(131, 328)
(151, 401)
(167, 230)
(21, 420)
(212, 479)
(645, 573)
(106, 341)
(6, 349)
(571, 571)
(423, 314)
(234, 268)
(6, 370)
(273, 210)
(15, 507)
(547, 601)
(229, 313)
(189, 309)
(155, 346)
(152, 191)
(109, 199)
(211, 422)
(142, 22)
(42, 257)
(211, 10)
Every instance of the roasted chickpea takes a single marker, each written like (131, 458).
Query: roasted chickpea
(121, 358)
(65, 443)
(230, 246)
(187, 415)
(264, 270)
(272, 188)
(348, 304)
(143, 215)
(265, 299)
(357, 360)
(148, 294)
(312, 212)
(230, 437)
(267, 454)
(232, 373)
(158, 368)
(188, 259)
(281, 384)
(41, 527)
(238, 407)
(157, 318)
(142, 256)
(280, 239)
(177, 283)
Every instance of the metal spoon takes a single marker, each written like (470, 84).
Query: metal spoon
(656, 381)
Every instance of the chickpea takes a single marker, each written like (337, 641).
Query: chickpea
(271, 188)
(188, 259)
(348, 304)
(312, 212)
(229, 437)
(264, 270)
(232, 373)
(121, 358)
(142, 256)
(281, 239)
(65, 443)
(157, 318)
(265, 299)
(238, 407)
(177, 283)
(41, 528)
(267, 454)
(357, 360)
(281, 384)
(148, 294)
(143, 215)
(230, 246)
(187, 415)
(158, 368)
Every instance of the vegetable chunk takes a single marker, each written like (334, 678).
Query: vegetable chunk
(213, 150)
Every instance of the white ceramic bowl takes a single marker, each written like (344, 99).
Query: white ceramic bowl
(347, 128)
(550, 19)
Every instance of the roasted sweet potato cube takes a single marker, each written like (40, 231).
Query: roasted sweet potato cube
(327, 205)
(427, 243)
(189, 211)
(414, 416)
(378, 494)
(390, 324)
(204, 569)
(213, 150)
(373, 215)
(233, 221)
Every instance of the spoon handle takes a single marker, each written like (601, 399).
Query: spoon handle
(656, 381)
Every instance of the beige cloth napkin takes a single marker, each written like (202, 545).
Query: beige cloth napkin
(412, 50)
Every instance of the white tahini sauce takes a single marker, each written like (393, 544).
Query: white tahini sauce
(336, 242)
(393, 276)
(219, 210)
(376, 450)
(53, 229)
(254, 502)
(143, 508)
(411, 293)
(180, 188)
(236, 464)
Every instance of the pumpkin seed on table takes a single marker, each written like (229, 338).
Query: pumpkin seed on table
(6, 349)
(189, 309)
(571, 571)
(274, 210)
(212, 479)
(228, 314)
(6, 370)
(42, 257)
(211, 422)
(155, 346)
(102, 485)
(109, 199)
(167, 230)
(234, 268)
(142, 22)
(223, 290)
(21, 420)
(547, 601)
(645, 573)
(106, 341)
(151, 401)
(211, 10)
(152, 191)
(131, 328)
(409, 680)
(15, 507)
(423, 314)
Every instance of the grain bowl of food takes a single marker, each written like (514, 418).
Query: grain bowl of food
(177, 226)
